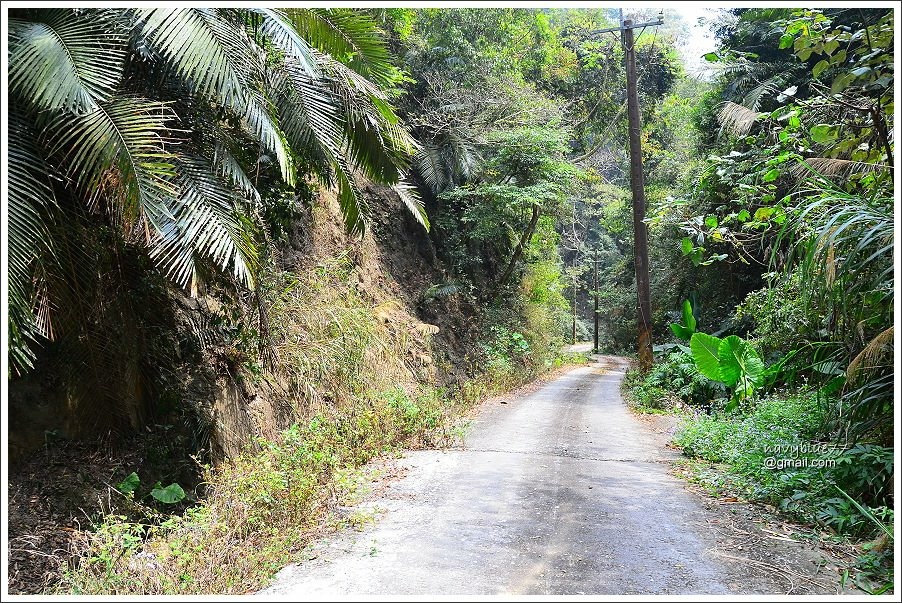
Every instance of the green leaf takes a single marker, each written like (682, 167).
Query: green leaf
(786, 40)
(688, 317)
(841, 82)
(743, 215)
(740, 361)
(819, 67)
(732, 405)
(680, 331)
(169, 495)
(129, 484)
(730, 368)
(771, 175)
(824, 133)
(686, 245)
(696, 256)
(711, 221)
(763, 213)
(713, 258)
(711, 57)
(704, 352)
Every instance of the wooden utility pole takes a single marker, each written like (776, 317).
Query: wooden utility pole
(574, 309)
(637, 182)
(595, 313)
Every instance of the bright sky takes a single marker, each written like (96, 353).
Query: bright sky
(701, 40)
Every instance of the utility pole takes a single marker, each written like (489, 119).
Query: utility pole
(574, 309)
(595, 313)
(637, 182)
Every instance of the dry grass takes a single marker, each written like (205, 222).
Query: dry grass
(352, 368)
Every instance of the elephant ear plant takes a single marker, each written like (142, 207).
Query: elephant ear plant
(731, 361)
(686, 330)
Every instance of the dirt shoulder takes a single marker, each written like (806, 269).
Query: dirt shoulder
(761, 550)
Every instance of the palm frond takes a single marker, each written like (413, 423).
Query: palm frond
(202, 48)
(203, 222)
(228, 167)
(430, 164)
(66, 60)
(844, 246)
(769, 87)
(413, 202)
(466, 154)
(222, 63)
(29, 243)
(736, 119)
(280, 29)
(309, 112)
(118, 151)
(829, 166)
(265, 128)
(365, 102)
(354, 208)
(349, 36)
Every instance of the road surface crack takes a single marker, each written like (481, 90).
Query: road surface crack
(569, 455)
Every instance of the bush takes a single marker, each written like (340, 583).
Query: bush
(672, 380)
(772, 456)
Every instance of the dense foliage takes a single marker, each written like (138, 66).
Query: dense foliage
(787, 232)
(158, 157)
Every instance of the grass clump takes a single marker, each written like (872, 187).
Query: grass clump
(258, 510)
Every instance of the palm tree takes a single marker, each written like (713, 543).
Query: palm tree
(164, 120)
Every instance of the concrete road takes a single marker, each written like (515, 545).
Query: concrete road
(583, 346)
(562, 491)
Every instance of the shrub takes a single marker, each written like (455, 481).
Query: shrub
(783, 427)
(673, 379)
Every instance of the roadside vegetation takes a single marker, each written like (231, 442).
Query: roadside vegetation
(253, 514)
(260, 248)
(789, 402)
(251, 250)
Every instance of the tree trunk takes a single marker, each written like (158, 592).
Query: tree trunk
(518, 252)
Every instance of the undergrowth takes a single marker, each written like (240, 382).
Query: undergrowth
(259, 510)
(358, 387)
(772, 454)
(773, 451)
